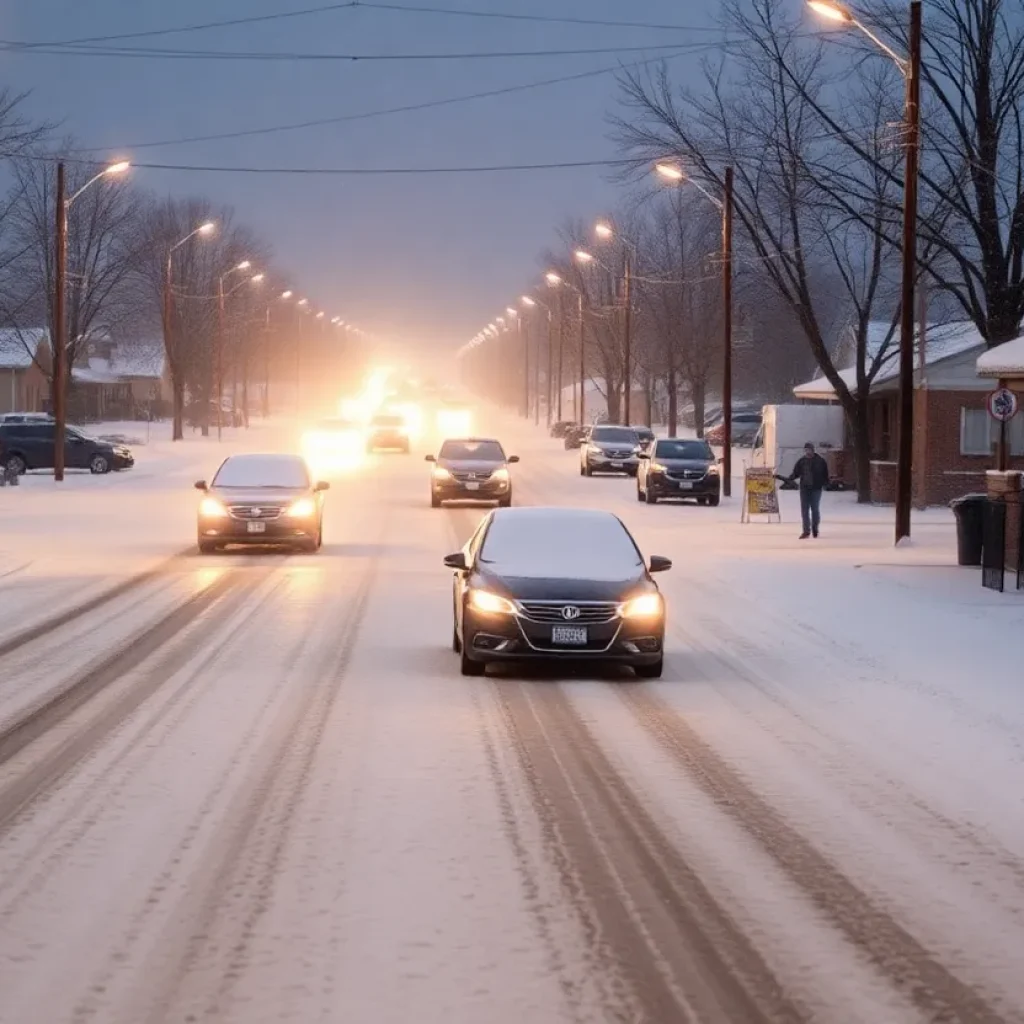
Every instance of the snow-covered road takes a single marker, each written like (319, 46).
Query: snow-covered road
(254, 788)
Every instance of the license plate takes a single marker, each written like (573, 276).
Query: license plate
(256, 527)
(616, 465)
(472, 487)
(574, 635)
(684, 485)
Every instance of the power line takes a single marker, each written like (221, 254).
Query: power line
(153, 53)
(413, 107)
(377, 171)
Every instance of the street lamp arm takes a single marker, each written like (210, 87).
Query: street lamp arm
(901, 62)
(92, 181)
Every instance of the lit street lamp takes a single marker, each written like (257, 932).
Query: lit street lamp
(911, 71)
(605, 232)
(219, 361)
(556, 281)
(532, 303)
(59, 341)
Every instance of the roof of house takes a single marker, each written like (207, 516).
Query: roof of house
(941, 342)
(18, 346)
(1006, 360)
(143, 360)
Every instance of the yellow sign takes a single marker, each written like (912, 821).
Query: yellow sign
(760, 495)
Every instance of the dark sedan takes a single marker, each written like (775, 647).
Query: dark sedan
(556, 584)
(261, 499)
(471, 469)
(679, 468)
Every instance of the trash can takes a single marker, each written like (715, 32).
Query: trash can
(970, 527)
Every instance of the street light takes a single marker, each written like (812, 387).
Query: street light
(604, 231)
(203, 230)
(556, 281)
(676, 175)
(911, 71)
(531, 303)
(59, 341)
(219, 357)
(582, 256)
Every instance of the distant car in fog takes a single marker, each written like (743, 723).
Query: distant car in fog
(471, 469)
(261, 499)
(387, 432)
(556, 584)
(610, 449)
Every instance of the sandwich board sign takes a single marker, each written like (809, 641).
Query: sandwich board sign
(760, 494)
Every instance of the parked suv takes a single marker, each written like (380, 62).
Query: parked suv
(31, 446)
(610, 449)
(679, 468)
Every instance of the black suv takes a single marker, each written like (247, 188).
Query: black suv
(31, 446)
(679, 468)
(471, 469)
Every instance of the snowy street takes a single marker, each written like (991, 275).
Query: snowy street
(253, 787)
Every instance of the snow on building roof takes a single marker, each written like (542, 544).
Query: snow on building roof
(18, 346)
(142, 359)
(941, 342)
(1006, 360)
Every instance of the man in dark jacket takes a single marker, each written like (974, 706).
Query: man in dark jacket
(811, 473)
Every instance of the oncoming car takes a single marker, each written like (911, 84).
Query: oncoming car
(679, 468)
(471, 469)
(261, 499)
(387, 432)
(556, 584)
(610, 449)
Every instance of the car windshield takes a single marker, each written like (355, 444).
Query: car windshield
(622, 435)
(683, 450)
(479, 451)
(285, 471)
(387, 421)
(566, 544)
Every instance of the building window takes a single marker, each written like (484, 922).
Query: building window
(976, 433)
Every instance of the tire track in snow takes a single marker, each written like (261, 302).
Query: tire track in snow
(60, 707)
(910, 967)
(667, 950)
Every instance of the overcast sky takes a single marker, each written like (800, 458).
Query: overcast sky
(428, 258)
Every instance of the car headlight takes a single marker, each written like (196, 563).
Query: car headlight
(646, 606)
(491, 604)
(657, 467)
(302, 509)
(440, 473)
(211, 508)
(500, 474)
(712, 471)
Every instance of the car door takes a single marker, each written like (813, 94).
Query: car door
(77, 450)
(39, 445)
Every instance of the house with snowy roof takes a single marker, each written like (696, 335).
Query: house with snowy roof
(24, 362)
(954, 436)
(120, 379)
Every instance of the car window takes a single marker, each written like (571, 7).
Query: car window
(284, 471)
(560, 544)
(40, 431)
(621, 434)
(675, 449)
(483, 451)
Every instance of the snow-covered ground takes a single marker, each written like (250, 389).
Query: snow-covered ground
(254, 788)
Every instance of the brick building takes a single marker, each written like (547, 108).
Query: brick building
(954, 437)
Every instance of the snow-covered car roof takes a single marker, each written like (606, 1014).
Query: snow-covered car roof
(560, 543)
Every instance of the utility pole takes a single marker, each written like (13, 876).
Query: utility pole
(628, 296)
(561, 348)
(219, 370)
(524, 341)
(905, 452)
(266, 367)
(60, 345)
(583, 360)
(727, 338)
(551, 365)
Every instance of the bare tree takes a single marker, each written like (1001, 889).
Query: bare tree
(765, 124)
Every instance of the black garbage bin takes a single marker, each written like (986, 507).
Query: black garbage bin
(970, 527)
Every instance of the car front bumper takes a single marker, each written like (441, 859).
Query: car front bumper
(490, 638)
(462, 490)
(667, 487)
(275, 531)
(604, 464)
(121, 461)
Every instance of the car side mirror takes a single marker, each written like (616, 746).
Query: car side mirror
(513, 458)
(200, 485)
(660, 564)
(456, 561)
(322, 485)
(430, 458)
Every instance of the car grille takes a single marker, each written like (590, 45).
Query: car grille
(590, 612)
(257, 512)
(618, 453)
(463, 477)
(688, 474)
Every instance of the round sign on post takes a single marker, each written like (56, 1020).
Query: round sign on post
(1002, 405)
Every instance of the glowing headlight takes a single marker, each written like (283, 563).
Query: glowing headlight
(211, 508)
(440, 473)
(500, 474)
(302, 509)
(657, 467)
(646, 606)
(492, 604)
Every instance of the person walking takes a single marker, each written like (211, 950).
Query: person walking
(811, 473)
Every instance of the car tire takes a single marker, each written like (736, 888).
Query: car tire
(320, 537)
(505, 502)
(587, 471)
(650, 497)
(652, 671)
(469, 667)
(15, 465)
(99, 465)
(208, 547)
(714, 501)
